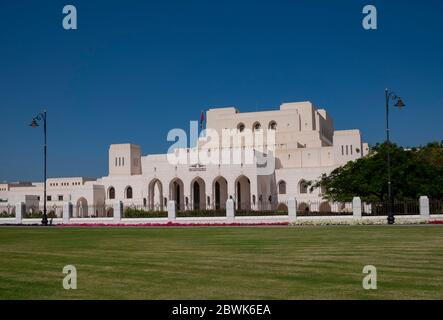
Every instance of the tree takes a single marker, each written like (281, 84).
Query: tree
(414, 172)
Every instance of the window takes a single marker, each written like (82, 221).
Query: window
(346, 149)
(115, 161)
(342, 150)
(60, 198)
(272, 125)
(111, 193)
(129, 193)
(351, 149)
(282, 187)
(241, 127)
(48, 198)
(256, 126)
(303, 187)
(123, 161)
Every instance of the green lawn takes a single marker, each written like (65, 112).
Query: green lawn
(222, 262)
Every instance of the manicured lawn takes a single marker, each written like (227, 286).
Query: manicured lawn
(222, 262)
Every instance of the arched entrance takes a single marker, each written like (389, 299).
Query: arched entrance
(198, 194)
(155, 195)
(243, 193)
(176, 193)
(81, 209)
(220, 192)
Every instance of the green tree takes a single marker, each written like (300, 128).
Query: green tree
(414, 172)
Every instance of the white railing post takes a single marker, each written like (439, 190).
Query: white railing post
(67, 212)
(20, 209)
(172, 210)
(118, 211)
(230, 209)
(424, 207)
(292, 209)
(356, 207)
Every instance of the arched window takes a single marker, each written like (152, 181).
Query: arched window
(241, 127)
(303, 186)
(128, 193)
(282, 187)
(272, 125)
(256, 126)
(111, 193)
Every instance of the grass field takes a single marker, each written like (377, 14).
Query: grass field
(222, 262)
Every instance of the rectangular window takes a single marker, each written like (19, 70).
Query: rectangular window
(123, 161)
(60, 198)
(342, 150)
(48, 198)
(351, 149)
(346, 149)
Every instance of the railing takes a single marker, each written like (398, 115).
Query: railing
(7, 211)
(140, 211)
(381, 208)
(323, 208)
(92, 211)
(245, 209)
(435, 206)
(36, 211)
(201, 213)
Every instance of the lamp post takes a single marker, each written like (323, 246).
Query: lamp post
(34, 124)
(390, 95)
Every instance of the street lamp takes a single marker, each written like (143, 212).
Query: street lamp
(34, 124)
(390, 95)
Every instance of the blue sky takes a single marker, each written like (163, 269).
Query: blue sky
(136, 69)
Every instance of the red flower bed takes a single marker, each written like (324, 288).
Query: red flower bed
(435, 222)
(173, 224)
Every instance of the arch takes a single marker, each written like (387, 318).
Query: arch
(282, 207)
(256, 126)
(155, 195)
(272, 125)
(243, 193)
(241, 127)
(128, 192)
(282, 187)
(176, 189)
(220, 192)
(325, 207)
(111, 193)
(303, 187)
(81, 209)
(303, 207)
(198, 194)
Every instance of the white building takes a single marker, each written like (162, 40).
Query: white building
(305, 146)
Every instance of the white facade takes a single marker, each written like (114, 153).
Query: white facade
(306, 146)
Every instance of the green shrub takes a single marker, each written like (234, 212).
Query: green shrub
(321, 214)
(201, 213)
(39, 214)
(259, 213)
(138, 213)
(5, 214)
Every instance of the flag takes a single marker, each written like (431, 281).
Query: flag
(202, 119)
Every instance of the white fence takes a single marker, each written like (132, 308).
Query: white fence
(296, 211)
